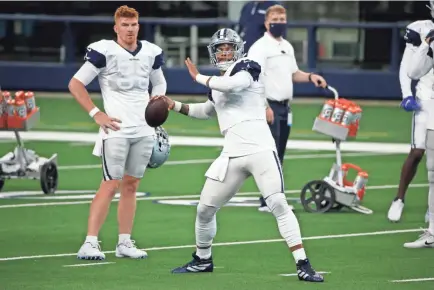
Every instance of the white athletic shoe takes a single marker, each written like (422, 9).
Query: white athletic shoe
(427, 216)
(395, 210)
(128, 249)
(90, 251)
(425, 240)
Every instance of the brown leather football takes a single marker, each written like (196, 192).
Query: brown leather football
(156, 112)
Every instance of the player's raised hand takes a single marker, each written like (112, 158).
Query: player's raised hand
(318, 81)
(106, 122)
(191, 68)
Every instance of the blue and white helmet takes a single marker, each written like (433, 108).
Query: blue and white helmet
(222, 36)
(161, 150)
(431, 7)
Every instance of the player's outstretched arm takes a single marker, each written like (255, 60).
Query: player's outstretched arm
(240, 79)
(202, 111)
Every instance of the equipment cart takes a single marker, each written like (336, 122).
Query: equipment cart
(23, 163)
(338, 119)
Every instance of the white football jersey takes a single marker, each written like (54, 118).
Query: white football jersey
(124, 78)
(415, 34)
(241, 112)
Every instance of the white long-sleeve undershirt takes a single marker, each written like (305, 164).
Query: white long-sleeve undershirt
(201, 110)
(404, 79)
(235, 83)
(158, 81)
(421, 63)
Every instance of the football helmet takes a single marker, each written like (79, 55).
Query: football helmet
(225, 36)
(161, 150)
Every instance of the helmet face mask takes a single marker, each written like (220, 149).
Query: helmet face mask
(225, 48)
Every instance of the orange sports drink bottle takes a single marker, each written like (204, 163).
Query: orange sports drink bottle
(360, 184)
(349, 116)
(29, 98)
(21, 108)
(327, 110)
(6, 95)
(10, 107)
(19, 94)
(338, 112)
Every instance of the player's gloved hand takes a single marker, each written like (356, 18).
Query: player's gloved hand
(410, 104)
(106, 122)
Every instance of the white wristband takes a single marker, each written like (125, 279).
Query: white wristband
(177, 106)
(93, 112)
(201, 79)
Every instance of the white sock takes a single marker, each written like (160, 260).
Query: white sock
(431, 208)
(287, 222)
(124, 237)
(91, 239)
(299, 254)
(203, 253)
(206, 229)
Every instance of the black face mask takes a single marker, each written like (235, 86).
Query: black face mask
(277, 29)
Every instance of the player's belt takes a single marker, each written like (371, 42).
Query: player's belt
(284, 102)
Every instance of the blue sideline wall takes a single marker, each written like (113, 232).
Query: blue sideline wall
(55, 77)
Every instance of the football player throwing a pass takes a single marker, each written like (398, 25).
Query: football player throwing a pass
(237, 98)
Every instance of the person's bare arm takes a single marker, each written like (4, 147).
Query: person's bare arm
(77, 87)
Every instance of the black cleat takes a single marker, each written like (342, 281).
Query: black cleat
(306, 273)
(197, 265)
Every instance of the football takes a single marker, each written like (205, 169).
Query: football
(156, 112)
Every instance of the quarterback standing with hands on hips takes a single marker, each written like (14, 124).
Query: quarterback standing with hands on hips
(279, 70)
(236, 97)
(124, 67)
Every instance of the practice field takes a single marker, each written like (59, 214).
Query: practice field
(41, 234)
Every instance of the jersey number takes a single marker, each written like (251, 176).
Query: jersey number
(131, 74)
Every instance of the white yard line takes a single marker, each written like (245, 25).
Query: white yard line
(217, 141)
(89, 264)
(412, 280)
(378, 233)
(207, 161)
(292, 191)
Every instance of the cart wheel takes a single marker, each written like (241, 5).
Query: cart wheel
(49, 177)
(2, 183)
(317, 196)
